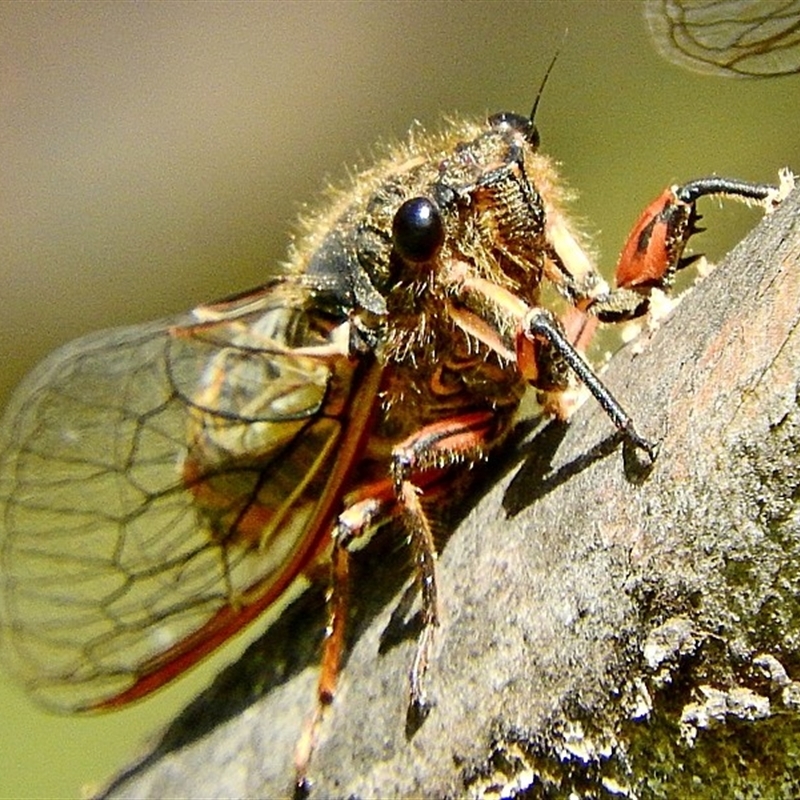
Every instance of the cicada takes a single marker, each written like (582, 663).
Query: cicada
(164, 484)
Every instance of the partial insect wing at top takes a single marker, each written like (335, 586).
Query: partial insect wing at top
(731, 38)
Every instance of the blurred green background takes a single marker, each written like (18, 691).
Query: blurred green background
(153, 156)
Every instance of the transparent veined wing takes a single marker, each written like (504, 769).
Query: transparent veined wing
(161, 484)
(736, 38)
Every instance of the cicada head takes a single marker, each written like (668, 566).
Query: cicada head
(480, 203)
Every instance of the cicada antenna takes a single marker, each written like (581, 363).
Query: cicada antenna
(549, 69)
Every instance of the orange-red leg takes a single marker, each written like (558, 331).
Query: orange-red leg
(351, 524)
(416, 462)
(434, 446)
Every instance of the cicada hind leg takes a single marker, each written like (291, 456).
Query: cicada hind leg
(375, 503)
(419, 464)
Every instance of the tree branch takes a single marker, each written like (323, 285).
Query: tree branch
(604, 627)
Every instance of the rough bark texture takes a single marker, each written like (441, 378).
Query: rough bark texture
(607, 629)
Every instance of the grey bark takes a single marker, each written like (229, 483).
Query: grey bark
(608, 628)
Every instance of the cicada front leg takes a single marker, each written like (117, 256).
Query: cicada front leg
(546, 349)
(545, 352)
(542, 340)
(653, 253)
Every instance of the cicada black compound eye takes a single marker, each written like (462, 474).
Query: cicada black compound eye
(417, 230)
(507, 120)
